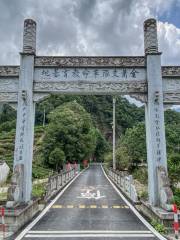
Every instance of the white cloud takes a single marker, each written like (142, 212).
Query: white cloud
(86, 27)
(169, 38)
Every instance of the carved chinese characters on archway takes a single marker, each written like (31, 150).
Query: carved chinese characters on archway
(157, 131)
(89, 74)
(19, 151)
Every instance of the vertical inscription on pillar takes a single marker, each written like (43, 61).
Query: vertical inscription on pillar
(157, 131)
(22, 128)
(20, 149)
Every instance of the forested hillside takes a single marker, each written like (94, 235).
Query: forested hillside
(100, 108)
(97, 108)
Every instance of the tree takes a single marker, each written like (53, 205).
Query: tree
(7, 113)
(124, 161)
(71, 130)
(174, 167)
(100, 108)
(102, 147)
(131, 148)
(56, 158)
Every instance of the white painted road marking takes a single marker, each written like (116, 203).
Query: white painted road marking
(31, 225)
(90, 235)
(91, 195)
(87, 233)
(148, 225)
(91, 231)
(25, 233)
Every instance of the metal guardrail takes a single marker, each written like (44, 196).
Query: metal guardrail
(124, 182)
(55, 183)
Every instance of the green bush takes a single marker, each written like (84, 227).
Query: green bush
(8, 126)
(122, 158)
(144, 195)
(174, 168)
(40, 172)
(141, 175)
(56, 158)
(131, 147)
(108, 159)
(177, 196)
(159, 227)
(38, 190)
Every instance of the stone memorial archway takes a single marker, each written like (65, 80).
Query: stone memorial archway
(141, 77)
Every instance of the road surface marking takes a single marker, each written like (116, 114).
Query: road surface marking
(133, 209)
(89, 194)
(82, 206)
(57, 206)
(93, 206)
(120, 206)
(115, 206)
(91, 231)
(104, 206)
(31, 225)
(89, 206)
(101, 235)
(70, 206)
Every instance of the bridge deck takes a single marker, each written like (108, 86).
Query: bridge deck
(90, 209)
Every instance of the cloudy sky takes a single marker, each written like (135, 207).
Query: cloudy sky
(89, 27)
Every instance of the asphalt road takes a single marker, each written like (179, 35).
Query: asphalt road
(90, 209)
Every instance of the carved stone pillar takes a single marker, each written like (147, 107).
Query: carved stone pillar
(23, 153)
(155, 130)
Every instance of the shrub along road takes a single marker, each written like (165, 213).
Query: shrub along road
(90, 208)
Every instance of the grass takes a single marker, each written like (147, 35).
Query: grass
(3, 196)
(141, 175)
(159, 227)
(7, 140)
(177, 197)
(38, 190)
(40, 172)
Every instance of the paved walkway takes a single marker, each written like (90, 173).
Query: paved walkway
(90, 209)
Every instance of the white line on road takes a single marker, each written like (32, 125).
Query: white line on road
(89, 231)
(148, 225)
(89, 235)
(23, 233)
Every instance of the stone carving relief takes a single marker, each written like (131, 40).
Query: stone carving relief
(171, 97)
(90, 61)
(29, 38)
(85, 87)
(171, 71)
(171, 85)
(9, 85)
(166, 195)
(8, 97)
(150, 36)
(9, 79)
(16, 183)
(139, 97)
(39, 96)
(9, 71)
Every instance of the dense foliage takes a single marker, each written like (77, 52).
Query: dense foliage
(6, 113)
(100, 108)
(131, 149)
(70, 136)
